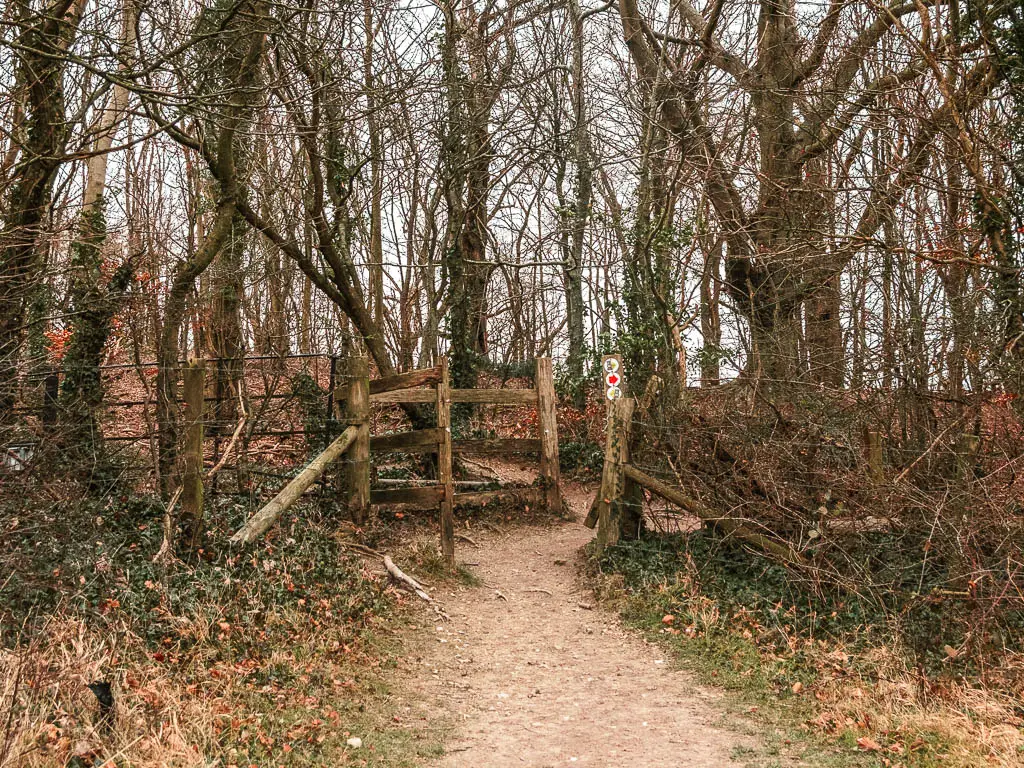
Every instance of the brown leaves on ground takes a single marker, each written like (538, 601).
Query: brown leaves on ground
(868, 744)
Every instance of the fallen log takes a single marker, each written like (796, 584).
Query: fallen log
(260, 522)
(419, 483)
(727, 526)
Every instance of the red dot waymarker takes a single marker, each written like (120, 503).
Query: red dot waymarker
(612, 365)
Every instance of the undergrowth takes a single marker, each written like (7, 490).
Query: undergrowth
(272, 657)
(839, 674)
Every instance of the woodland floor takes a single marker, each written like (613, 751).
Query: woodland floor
(530, 672)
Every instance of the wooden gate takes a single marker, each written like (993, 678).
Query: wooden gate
(432, 386)
(429, 385)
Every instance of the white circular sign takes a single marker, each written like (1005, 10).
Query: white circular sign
(613, 393)
(611, 365)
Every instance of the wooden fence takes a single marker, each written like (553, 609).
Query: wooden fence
(353, 400)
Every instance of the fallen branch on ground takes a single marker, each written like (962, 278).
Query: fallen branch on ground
(728, 526)
(403, 580)
(393, 570)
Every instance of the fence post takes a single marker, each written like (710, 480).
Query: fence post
(620, 415)
(873, 451)
(547, 423)
(628, 513)
(444, 464)
(357, 413)
(194, 378)
(51, 394)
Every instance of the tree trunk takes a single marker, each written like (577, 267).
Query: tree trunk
(226, 341)
(168, 350)
(710, 324)
(41, 67)
(582, 152)
(825, 335)
(376, 250)
(94, 303)
(467, 159)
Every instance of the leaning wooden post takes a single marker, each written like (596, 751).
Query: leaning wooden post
(192, 453)
(444, 464)
(547, 423)
(260, 522)
(357, 414)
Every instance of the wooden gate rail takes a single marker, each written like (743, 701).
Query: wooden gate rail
(260, 522)
(418, 394)
(431, 385)
(424, 377)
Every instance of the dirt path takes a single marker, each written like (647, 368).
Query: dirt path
(533, 675)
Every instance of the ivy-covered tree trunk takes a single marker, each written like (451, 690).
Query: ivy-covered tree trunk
(226, 342)
(244, 36)
(95, 296)
(649, 290)
(95, 301)
(41, 64)
(467, 160)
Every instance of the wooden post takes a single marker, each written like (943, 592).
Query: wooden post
(605, 511)
(357, 413)
(192, 453)
(873, 454)
(444, 465)
(629, 512)
(547, 423)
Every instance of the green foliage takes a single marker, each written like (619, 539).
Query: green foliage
(749, 626)
(575, 387)
(95, 558)
(311, 397)
(906, 608)
(575, 455)
(709, 355)
(651, 285)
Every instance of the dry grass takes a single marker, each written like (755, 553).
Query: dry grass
(293, 705)
(51, 716)
(273, 658)
(889, 705)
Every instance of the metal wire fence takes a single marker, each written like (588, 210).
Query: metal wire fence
(287, 402)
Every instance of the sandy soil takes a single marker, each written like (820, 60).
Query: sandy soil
(532, 674)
